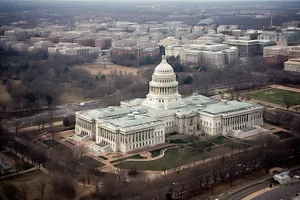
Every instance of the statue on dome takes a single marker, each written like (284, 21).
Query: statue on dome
(162, 50)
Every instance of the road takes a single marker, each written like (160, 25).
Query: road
(248, 190)
(285, 192)
(66, 110)
(260, 184)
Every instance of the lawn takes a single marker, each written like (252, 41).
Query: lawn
(137, 156)
(177, 141)
(173, 157)
(276, 96)
(237, 145)
(155, 152)
(51, 143)
(90, 162)
(220, 140)
(201, 145)
(283, 135)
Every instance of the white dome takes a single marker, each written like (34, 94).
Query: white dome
(164, 67)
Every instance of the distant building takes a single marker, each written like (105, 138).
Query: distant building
(137, 52)
(40, 46)
(205, 26)
(208, 23)
(169, 41)
(289, 51)
(21, 47)
(249, 47)
(227, 28)
(210, 55)
(103, 43)
(73, 49)
(86, 41)
(292, 65)
(163, 30)
(285, 37)
(19, 33)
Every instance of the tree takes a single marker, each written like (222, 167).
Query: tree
(41, 187)
(52, 133)
(66, 122)
(288, 102)
(24, 190)
(188, 80)
(17, 124)
(69, 120)
(79, 151)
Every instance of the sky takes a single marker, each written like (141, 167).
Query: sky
(149, 1)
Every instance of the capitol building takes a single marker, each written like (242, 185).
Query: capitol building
(141, 123)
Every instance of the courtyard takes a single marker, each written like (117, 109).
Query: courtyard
(182, 153)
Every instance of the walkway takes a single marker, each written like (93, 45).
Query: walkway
(29, 128)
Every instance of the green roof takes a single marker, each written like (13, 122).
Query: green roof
(227, 106)
(126, 122)
(111, 111)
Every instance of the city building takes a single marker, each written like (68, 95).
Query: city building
(20, 46)
(205, 26)
(141, 123)
(40, 46)
(247, 47)
(285, 37)
(137, 52)
(227, 29)
(292, 65)
(289, 51)
(169, 41)
(210, 55)
(73, 49)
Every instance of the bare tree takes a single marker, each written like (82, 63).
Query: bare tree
(24, 190)
(80, 151)
(18, 125)
(52, 133)
(41, 187)
(287, 102)
(90, 174)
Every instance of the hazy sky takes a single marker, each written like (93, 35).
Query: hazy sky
(149, 1)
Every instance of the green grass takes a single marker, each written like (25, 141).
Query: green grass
(90, 162)
(277, 97)
(137, 156)
(201, 145)
(173, 157)
(155, 152)
(51, 143)
(177, 141)
(220, 140)
(283, 135)
(237, 145)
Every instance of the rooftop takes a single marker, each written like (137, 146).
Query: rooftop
(206, 22)
(110, 112)
(132, 120)
(223, 107)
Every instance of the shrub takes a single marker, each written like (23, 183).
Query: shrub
(133, 172)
